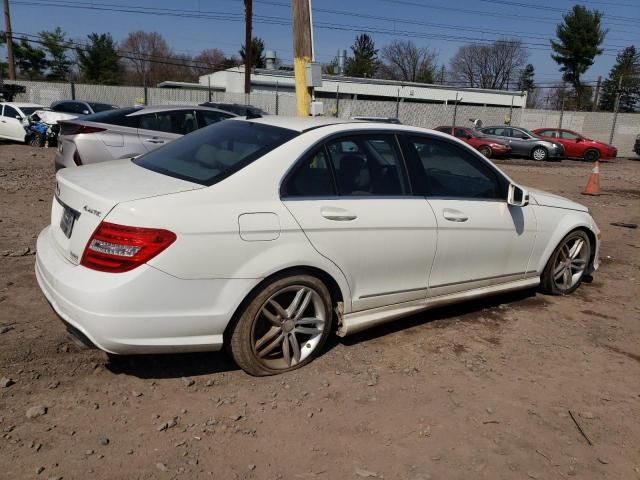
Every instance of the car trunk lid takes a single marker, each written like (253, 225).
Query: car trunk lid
(84, 196)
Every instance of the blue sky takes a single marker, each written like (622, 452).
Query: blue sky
(445, 24)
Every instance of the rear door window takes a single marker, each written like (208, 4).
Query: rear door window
(311, 178)
(10, 112)
(179, 122)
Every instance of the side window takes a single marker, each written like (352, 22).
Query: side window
(568, 136)
(311, 178)
(10, 112)
(452, 172)
(180, 122)
(515, 133)
(460, 133)
(207, 117)
(368, 165)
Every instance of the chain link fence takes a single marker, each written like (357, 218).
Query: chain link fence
(620, 130)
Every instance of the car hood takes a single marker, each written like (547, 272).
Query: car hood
(547, 199)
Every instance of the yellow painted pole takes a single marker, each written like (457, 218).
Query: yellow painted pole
(302, 52)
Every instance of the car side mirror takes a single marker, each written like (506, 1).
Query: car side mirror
(469, 136)
(18, 117)
(578, 140)
(517, 196)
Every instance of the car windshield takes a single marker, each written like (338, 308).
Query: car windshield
(211, 154)
(29, 110)
(100, 107)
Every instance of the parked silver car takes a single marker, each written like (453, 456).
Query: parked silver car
(525, 143)
(128, 132)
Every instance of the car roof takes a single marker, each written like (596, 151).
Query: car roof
(302, 124)
(22, 104)
(166, 108)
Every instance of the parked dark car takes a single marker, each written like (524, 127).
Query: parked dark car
(236, 109)
(525, 143)
(80, 107)
(636, 147)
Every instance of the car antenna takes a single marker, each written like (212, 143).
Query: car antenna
(253, 114)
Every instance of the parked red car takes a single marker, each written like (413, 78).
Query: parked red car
(486, 146)
(577, 145)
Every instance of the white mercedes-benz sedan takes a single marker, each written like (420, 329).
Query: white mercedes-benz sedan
(268, 234)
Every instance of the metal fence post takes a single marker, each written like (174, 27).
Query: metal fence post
(277, 100)
(455, 110)
(209, 82)
(73, 90)
(561, 110)
(338, 101)
(398, 104)
(616, 110)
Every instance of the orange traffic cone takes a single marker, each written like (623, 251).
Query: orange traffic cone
(593, 184)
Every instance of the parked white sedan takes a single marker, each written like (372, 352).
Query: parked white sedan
(14, 118)
(269, 234)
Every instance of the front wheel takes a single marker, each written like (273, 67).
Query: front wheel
(284, 326)
(568, 264)
(485, 150)
(539, 154)
(36, 140)
(591, 155)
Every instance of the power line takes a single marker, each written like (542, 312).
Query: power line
(280, 21)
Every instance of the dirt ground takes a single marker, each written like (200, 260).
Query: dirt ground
(481, 390)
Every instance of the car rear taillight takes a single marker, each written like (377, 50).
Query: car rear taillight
(118, 248)
(76, 129)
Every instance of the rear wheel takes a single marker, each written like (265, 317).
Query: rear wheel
(539, 154)
(284, 326)
(591, 155)
(568, 264)
(485, 150)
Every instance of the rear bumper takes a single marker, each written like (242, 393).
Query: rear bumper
(141, 311)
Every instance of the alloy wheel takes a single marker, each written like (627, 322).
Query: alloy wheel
(571, 263)
(539, 154)
(288, 327)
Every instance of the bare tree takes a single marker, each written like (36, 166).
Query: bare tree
(213, 58)
(145, 53)
(492, 65)
(403, 60)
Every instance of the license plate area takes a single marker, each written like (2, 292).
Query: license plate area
(68, 218)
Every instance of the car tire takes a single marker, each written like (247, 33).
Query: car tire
(591, 155)
(36, 140)
(568, 264)
(485, 150)
(539, 154)
(283, 326)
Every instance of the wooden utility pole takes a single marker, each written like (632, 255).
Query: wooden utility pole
(9, 39)
(248, 43)
(302, 53)
(597, 95)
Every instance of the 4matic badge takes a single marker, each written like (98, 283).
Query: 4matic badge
(93, 211)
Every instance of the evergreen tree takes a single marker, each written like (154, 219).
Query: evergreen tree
(30, 61)
(626, 74)
(525, 81)
(258, 59)
(99, 61)
(364, 62)
(56, 45)
(579, 38)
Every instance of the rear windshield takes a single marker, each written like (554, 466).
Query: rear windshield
(211, 154)
(114, 117)
(101, 107)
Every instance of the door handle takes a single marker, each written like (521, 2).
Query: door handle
(154, 140)
(454, 215)
(337, 214)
